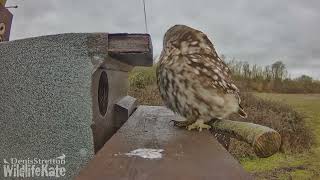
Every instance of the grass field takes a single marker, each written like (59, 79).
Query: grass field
(286, 165)
(292, 166)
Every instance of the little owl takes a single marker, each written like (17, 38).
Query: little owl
(193, 81)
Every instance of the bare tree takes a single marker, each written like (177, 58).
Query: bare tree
(278, 70)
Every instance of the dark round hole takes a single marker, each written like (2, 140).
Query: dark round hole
(2, 26)
(103, 91)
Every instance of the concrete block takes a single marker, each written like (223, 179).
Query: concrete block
(57, 96)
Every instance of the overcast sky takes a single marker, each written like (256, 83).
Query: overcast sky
(259, 32)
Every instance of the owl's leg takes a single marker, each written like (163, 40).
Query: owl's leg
(182, 122)
(199, 124)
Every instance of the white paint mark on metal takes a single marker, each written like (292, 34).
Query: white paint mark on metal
(146, 153)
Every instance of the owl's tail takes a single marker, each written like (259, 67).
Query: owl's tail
(241, 112)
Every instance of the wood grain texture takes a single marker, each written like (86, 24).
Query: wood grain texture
(264, 140)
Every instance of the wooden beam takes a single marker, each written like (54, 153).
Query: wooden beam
(185, 155)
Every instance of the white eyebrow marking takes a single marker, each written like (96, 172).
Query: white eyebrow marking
(194, 43)
(194, 60)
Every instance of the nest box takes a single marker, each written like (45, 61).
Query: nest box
(113, 56)
(67, 93)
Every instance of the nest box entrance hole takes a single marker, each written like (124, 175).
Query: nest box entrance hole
(103, 91)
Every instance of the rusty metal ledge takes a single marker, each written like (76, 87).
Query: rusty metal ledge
(186, 154)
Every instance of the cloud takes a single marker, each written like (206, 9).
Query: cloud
(255, 31)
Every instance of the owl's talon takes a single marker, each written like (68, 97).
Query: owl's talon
(199, 124)
(174, 123)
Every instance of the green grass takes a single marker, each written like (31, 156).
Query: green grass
(279, 166)
(296, 166)
(141, 77)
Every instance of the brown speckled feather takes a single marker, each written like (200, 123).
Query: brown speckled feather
(192, 79)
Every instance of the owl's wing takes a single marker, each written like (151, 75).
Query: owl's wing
(206, 56)
(211, 72)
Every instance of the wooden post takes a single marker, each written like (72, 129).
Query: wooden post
(265, 141)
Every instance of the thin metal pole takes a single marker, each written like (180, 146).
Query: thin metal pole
(8, 7)
(145, 15)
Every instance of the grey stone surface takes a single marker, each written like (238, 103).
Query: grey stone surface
(46, 105)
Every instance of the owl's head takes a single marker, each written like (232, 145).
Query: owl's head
(179, 33)
(176, 32)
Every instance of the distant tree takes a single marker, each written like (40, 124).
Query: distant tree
(267, 73)
(305, 78)
(223, 57)
(155, 59)
(270, 78)
(257, 72)
(246, 70)
(278, 70)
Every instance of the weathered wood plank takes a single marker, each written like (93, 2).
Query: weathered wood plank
(133, 49)
(186, 155)
(264, 140)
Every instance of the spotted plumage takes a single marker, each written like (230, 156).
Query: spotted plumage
(193, 81)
